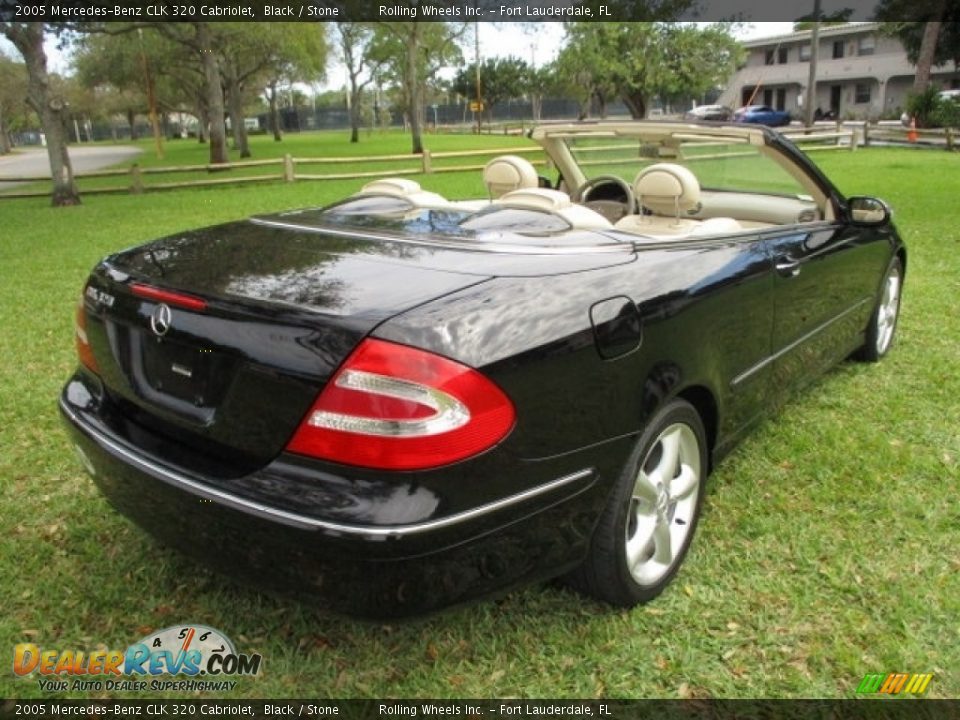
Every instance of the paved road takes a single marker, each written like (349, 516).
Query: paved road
(33, 161)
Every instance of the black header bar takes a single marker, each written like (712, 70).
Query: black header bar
(200, 707)
(433, 10)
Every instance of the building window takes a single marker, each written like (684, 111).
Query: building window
(768, 60)
(861, 94)
(782, 56)
(866, 45)
(805, 52)
(837, 49)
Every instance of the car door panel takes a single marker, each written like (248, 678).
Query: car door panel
(822, 297)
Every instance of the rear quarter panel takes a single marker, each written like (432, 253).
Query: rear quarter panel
(706, 314)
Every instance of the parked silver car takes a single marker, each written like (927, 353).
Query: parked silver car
(709, 112)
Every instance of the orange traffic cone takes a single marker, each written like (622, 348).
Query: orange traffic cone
(912, 133)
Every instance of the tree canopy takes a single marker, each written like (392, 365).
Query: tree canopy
(410, 53)
(640, 61)
(500, 79)
(911, 35)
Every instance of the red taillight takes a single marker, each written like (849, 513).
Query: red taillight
(84, 352)
(188, 302)
(394, 407)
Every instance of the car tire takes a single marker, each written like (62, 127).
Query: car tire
(883, 321)
(649, 520)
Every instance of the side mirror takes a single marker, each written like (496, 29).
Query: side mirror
(868, 211)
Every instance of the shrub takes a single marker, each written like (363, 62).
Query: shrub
(947, 113)
(923, 106)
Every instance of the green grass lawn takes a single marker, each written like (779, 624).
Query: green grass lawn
(829, 547)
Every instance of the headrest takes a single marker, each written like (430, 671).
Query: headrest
(391, 186)
(507, 173)
(403, 188)
(667, 189)
(536, 198)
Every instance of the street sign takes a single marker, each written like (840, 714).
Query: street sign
(476, 106)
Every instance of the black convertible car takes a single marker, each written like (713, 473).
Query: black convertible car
(401, 402)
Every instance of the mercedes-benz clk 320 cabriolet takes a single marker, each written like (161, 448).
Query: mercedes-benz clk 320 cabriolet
(401, 402)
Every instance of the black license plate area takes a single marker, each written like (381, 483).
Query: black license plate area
(189, 380)
(177, 370)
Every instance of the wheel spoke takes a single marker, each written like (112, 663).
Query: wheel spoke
(887, 312)
(684, 484)
(638, 544)
(645, 490)
(663, 543)
(670, 443)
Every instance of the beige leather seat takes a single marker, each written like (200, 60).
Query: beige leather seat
(508, 173)
(558, 203)
(669, 192)
(502, 175)
(406, 189)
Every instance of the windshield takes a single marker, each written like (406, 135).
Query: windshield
(720, 164)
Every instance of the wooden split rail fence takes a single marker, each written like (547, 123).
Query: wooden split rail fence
(288, 169)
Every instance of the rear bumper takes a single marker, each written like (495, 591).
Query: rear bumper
(370, 569)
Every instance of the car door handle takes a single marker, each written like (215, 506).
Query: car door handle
(788, 266)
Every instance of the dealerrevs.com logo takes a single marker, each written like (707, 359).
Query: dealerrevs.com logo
(894, 683)
(203, 654)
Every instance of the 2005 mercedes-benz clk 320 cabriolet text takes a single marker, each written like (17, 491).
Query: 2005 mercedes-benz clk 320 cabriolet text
(400, 402)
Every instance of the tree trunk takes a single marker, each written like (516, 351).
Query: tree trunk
(602, 105)
(584, 111)
(238, 126)
(4, 138)
(203, 124)
(348, 36)
(214, 83)
(203, 119)
(810, 95)
(928, 50)
(28, 38)
(354, 111)
(235, 95)
(274, 112)
(132, 122)
(636, 104)
(415, 94)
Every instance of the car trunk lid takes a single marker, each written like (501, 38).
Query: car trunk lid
(220, 339)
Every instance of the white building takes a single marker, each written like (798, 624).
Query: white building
(861, 73)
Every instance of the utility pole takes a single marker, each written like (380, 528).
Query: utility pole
(814, 56)
(476, 54)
